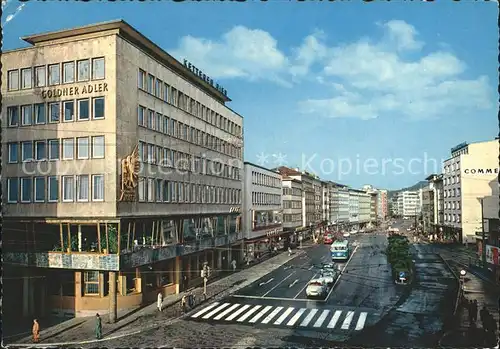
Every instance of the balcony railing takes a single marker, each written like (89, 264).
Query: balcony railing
(266, 226)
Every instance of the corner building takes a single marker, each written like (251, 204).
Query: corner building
(86, 231)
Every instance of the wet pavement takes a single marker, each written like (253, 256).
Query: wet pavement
(420, 318)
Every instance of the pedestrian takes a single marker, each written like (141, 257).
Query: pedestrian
(36, 331)
(233, 263)
(98, 326)
(184, 281)
(289, 251)
(470, 311)
(474, 310)
(483, 316)
(159, 301)
(183, 303)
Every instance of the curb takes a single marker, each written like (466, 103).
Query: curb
(212, 298)
(457, 279)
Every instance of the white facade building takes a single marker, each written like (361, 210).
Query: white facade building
(292, 204)
(354, 208)
(262, 208)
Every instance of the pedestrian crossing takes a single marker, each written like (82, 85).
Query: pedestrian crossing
(283, 316)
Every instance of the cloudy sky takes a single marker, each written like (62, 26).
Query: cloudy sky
(358, 93)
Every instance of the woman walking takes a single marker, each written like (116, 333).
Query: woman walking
(98, 327)
(36, 331)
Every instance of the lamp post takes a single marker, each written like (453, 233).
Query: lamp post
(483, 235)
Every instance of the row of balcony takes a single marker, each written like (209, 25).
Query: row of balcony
(115, 262)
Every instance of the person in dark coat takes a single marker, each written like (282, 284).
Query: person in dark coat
(474, 310)
(470, 311)
(98, 327)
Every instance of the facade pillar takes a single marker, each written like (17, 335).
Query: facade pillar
(138, 280)
(26, 304)
(122, 284)
(101, 284)
(229, 257)
(177, 274)
(78, 291)
(218, 254)
(112, 297)
(43, 297)
(31, 300)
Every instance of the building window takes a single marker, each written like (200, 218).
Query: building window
(13, 76)
(98, 112)
(82, 149)
(54, 112)
(53, 188)
(98, 71)
(53, 149)
(68, 149)
(159, 122)
(158, 87)
(69, 111)
(40, 117)
(97, 187)
(12, 190)
(83, 70)
(13, 116)
(68, 188)
(83, 109)
(151, 119)
(82, 188)
(68, 72)
(26, 189)
(40, 150)
(13, 149)
(151, 83)
(150, 190)
(39, 189)
(27, 151)
(166, 191)
(165, 92)
(141, 79)
(26, 78)
(40, 76)
(26, 115)
(159, 191)
(140, 115)
(165, 125)
(98, 147)
(54, 74)
(91, 282)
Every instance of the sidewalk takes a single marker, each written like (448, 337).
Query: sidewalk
(475, 288)
(81, 330)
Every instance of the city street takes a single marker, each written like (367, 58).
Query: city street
(274, 310)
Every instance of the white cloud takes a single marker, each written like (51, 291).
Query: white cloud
(240, 53)
(367, 78)
(376, 80)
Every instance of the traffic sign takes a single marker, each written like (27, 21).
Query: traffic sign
(402, 275)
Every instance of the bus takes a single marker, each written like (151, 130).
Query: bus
(340, 250)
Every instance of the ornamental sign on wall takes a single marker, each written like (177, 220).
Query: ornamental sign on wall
(130, 176)
(236, 209)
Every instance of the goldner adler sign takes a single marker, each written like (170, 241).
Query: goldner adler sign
(75, 90)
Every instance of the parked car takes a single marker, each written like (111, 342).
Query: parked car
(317, 288)
(328, 276)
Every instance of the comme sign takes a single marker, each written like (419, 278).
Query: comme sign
(75, 90)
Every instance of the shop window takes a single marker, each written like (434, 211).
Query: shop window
(91, 282)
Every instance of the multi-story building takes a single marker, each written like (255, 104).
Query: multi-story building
(433, 205)
(408, 204)
(364, 208)
(310, 218)
(328, 202)
(262, 220)
(372, 192)
(470, 179)
(123, 172)
(292, 204)
(354, 208)
(318, 200)
(382, 204)
(344, 206)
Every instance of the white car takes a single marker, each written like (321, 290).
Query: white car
(328, 276)
(316, 288)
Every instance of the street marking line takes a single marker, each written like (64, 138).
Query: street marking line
(237, 312)
(250, 312)
(277, 298)
(272, 315)
(296, 317)
(321, 318)
(293, 283)
(303, 288)
(204, 310)
(284, 316)
(341, 272)
(265, 283)
(361, 321)
(227, 311)
(334, 319)
(347, 320)
(213, 312)
(309, 317)
(259, 315)
(279, 283)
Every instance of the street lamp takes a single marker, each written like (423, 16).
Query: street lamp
(483, 237)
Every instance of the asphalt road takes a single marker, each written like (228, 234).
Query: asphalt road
(273, 311)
